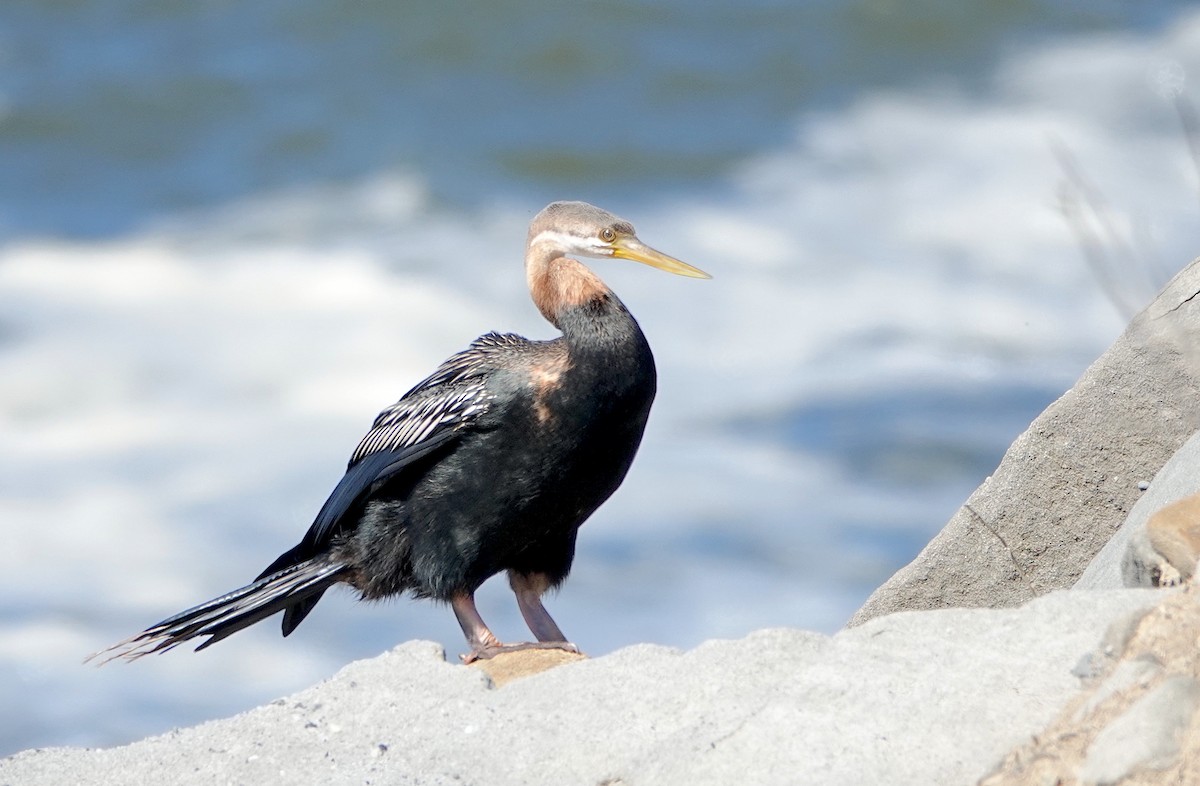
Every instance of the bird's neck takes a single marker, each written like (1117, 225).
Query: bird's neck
(606, 353)
(591, 317)
(559, 284)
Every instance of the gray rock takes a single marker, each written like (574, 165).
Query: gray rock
(1126, 674)
(915, 698)
(1067, 483)
(1145, 736)
(1128, 559)
(1120, 631)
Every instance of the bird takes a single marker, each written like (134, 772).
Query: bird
(489, 465)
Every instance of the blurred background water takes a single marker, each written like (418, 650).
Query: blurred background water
(231, 232)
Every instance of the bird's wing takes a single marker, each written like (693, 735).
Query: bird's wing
(435, 413)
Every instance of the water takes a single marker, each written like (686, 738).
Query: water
(230, 234)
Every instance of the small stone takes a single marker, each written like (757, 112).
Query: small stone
(1143, 485)
(1089, 666)
(508, 666)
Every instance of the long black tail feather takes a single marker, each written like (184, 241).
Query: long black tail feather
(297, 585)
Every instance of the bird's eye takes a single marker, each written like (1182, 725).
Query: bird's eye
(608, 234)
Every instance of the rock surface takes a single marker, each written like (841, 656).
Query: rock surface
(1139, 722)
(1067, 483)
(1131, 558)
(918, 698)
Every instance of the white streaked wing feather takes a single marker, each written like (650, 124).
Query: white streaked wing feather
(453, 396)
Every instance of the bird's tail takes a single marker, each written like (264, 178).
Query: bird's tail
(294, 585)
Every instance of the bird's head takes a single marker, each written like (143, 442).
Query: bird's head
(577, 228)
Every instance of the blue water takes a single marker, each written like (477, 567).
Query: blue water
(118, 112)
(231, 233)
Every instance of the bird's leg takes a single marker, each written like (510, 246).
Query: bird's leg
(484, 643)
(529, 588)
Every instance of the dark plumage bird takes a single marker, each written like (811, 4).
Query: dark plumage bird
(490, 464)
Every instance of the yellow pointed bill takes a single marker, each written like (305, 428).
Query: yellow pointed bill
(632, 248)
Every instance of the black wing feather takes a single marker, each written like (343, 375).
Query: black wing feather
(358, 480)
(233, 611)
(429, 417)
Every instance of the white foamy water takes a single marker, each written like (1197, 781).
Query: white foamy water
(174, 405)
